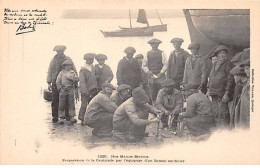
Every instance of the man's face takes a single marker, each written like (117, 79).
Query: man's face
(154, 46)
(247, 71)
(125, 94)
(108, 91)
(214, 59)
(237, 78)
(139, 60)
(169, 90)
(222, 55)
(67, 67)
(90, 61)
(194, 51)
(101, 61)
(129, 55)
(176, 46)
(60, 52)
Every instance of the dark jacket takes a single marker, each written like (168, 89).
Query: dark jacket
(87, 80)
(103, 75)
(55, 67)
(128, 72)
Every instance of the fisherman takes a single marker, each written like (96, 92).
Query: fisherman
(195, 69)
(139, 58)
(199, 117)
(131, 118)
(218, 82)
(123, 93)
(242, 112)
(128, 70)
(155, 65)
(176, 63)
(88, 84)
(171, 102)
(66, 82)
(54, 70)
(100, 112)
(240, 80)
(103, 72)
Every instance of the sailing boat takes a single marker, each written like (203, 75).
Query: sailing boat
(128, 32)
(143, 19)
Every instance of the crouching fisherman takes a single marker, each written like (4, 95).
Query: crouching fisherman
(123, 93)
(131, 118)
(99, 114)
(199, 117)
(66, 81)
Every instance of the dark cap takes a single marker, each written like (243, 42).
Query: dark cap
(108, 85)
(59, 48)
(220, 48)
(89, 56)
(154, 41)
(130, 50)
(139, 56)
(123, 87)
(139, 96)
(66, 62)
(238, 71)
(101, 57)
(245, 63)
(190, 86)
(177, 40)
(194, 45)
(168, 82)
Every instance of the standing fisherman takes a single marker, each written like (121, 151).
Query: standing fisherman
(128, 70)
(195, 69)
(87, 84)
(103, 72)
(155, 65)
(176, 63)
(54, 70)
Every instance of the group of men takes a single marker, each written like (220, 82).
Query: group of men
(154, 84)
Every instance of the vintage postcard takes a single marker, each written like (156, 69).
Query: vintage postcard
(129, 82)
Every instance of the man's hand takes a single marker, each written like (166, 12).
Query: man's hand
(225, 98)
(155, 120)
(49, 86)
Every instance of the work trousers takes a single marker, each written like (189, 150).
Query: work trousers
(66, 97)
(55, 102)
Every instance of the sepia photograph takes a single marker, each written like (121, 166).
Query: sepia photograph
(129, 84)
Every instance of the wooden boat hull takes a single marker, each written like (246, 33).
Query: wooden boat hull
(212, 27)
(156, 28)
(127, 33)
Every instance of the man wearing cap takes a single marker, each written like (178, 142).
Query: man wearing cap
(176, 63)
(171, 102)
(53, 71)
(199, 117)
(131, 118)
(128, 70)
(103, 72)
(155, 65)
(195, 68)
(242, 112)
(100, 112)
(240, 80)
(123, 93)
(218, 82)
(87, 84)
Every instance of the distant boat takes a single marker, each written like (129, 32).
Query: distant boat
(131, 32)
(142, 18)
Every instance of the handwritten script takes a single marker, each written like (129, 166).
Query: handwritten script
(26, 19)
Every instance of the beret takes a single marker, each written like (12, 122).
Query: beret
(167, 82)
(139, 56)
(123, 87)
(59, 48)
(130, 50)
(190, 86)
(245, 63)
(108, 85)
(238, 71)
(154, 41)
(220, 48)
(139, 96)
(101, 56)
(177, 40)
(89, 56)
(66, 62)
(194, 45)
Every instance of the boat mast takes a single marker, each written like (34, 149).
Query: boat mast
(159, 17)
(130, 18)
